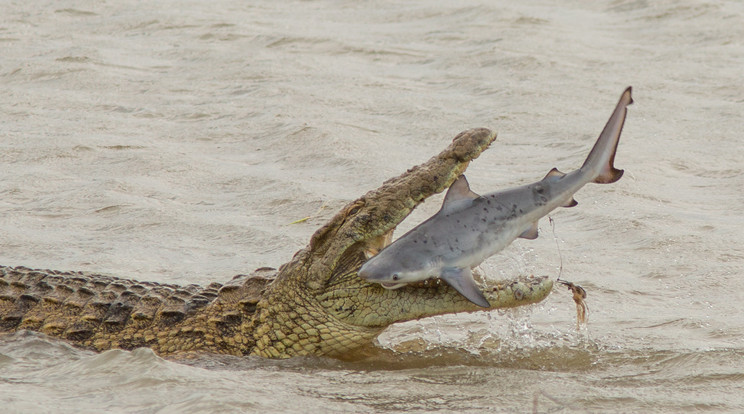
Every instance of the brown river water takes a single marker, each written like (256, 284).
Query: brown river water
(178, 142)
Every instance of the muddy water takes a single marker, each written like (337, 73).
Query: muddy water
(178, 142)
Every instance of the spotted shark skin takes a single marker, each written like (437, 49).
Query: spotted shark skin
(470, 228)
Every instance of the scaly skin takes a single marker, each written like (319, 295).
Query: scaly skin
(313, 305)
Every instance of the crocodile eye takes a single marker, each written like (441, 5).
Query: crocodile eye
(395, 276)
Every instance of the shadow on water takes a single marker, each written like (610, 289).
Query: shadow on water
(561, 358)
(541, 377)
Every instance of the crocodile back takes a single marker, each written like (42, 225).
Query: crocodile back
(101, 312)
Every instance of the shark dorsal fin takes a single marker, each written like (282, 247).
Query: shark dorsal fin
(458, 191)
(554, 173)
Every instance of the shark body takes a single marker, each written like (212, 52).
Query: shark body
(470, 228)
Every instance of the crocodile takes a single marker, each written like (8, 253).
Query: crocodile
(314, 305)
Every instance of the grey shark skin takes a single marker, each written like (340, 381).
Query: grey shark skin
(470, 228)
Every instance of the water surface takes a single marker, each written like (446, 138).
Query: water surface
(178, 141)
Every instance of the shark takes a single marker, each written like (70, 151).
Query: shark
(469, 227)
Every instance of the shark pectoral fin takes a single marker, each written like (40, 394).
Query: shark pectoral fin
(462, 280)
(530, 233)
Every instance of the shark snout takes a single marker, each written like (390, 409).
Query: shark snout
(363, 273)
(371, 272)
(387, 279)
(366, 273)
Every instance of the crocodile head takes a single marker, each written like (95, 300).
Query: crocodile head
(319, 306)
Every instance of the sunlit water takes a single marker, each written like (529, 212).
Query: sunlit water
(177, 141)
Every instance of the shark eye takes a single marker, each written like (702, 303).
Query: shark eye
(395, 276)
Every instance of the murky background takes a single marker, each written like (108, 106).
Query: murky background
(177, 141)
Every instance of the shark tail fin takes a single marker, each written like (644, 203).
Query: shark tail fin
(610, 176)
(602, 157)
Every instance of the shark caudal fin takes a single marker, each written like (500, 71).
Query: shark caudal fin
(600, 162)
